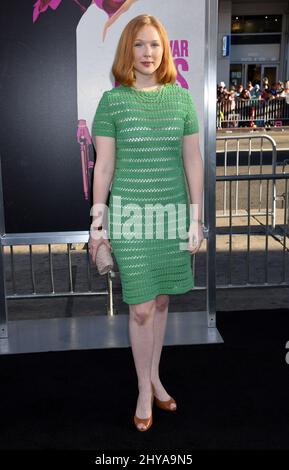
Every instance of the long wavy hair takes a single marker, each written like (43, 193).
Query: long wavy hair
(122, 67)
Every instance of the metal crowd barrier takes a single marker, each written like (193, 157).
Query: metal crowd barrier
(56, 277)
(234, 154)
(250, 253)
(53, 275)
(250, 112)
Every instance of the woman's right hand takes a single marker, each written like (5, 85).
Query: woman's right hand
(94, 243)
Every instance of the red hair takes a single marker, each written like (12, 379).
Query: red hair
(122, 67)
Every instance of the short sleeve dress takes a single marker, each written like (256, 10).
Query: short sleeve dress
(149, 205)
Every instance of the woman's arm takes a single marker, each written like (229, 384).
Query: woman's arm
(194, 171)
(103, 171)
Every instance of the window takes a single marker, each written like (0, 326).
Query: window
(256, 24)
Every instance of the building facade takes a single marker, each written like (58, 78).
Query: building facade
(253, 41)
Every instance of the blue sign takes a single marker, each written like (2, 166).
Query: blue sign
(226, 45)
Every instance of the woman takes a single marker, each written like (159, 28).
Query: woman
(146, 137)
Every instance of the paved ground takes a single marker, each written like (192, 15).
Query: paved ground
(226, 299)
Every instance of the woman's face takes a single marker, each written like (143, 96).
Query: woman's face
(147, 50)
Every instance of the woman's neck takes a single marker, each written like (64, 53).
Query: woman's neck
(140, 84)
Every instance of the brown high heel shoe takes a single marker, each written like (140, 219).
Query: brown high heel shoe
(165, 405)
(147, 422)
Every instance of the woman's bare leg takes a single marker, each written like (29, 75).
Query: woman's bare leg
(141, 323)
(160, 322)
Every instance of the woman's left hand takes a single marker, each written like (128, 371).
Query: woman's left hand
(196, 236)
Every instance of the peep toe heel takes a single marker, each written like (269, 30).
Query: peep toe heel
(165, 405)
(147, 422)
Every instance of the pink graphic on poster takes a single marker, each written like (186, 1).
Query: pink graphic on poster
(180, 53)
(113, 8)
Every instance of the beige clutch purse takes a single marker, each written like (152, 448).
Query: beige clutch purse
(103, 260)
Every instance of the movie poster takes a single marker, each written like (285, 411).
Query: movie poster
(56, 58)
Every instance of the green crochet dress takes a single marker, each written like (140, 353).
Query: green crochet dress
(149, 204)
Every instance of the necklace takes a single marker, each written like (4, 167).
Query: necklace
(148, 96)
